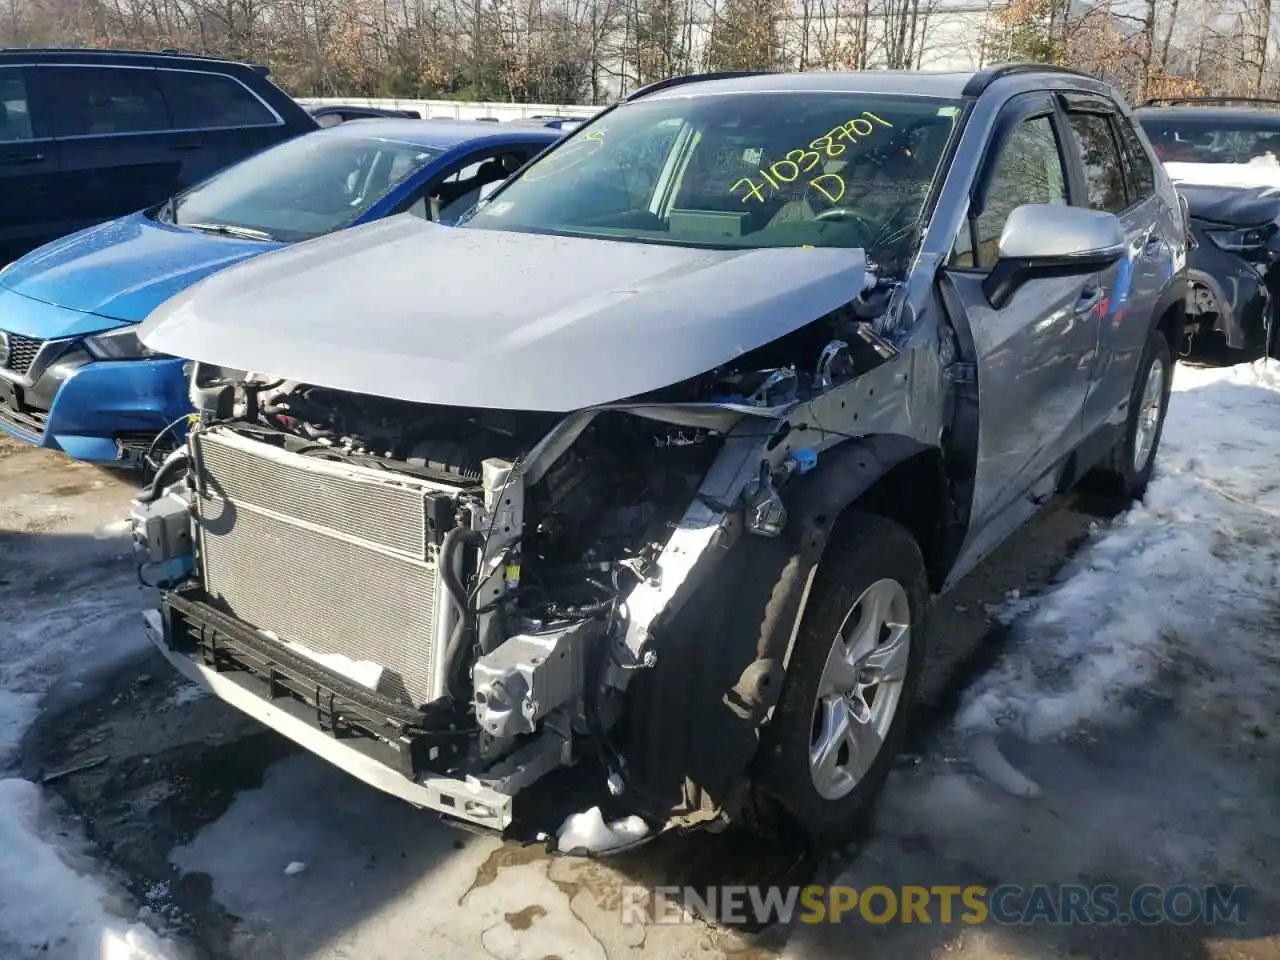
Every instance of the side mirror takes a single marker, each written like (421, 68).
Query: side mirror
(1050, 240)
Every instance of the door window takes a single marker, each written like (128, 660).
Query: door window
(459, 191)
(1029, 170)
(209, 101)
(97, 101)
(1141, 177)
(15, 116)
(1100, 154)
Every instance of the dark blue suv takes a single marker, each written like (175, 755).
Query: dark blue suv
(90, 135)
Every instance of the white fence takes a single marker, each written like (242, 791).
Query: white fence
(460, 109)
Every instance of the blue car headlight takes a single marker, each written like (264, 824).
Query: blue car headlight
(120, 344)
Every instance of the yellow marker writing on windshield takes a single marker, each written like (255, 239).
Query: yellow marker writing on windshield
(797, 163)
(827, 183)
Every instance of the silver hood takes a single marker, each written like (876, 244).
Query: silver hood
(409, 310)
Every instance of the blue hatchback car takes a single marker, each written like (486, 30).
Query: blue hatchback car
(73, 375)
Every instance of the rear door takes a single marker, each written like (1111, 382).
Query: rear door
(28, 170)
(1034, 353)
(115, 143)
(1118, 178)
(217, 121)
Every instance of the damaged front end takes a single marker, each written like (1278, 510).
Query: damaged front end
(451, 603)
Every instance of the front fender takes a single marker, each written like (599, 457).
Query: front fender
(694, 717)
(1173, 301)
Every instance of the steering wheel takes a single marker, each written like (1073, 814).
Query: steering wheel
(848, 213)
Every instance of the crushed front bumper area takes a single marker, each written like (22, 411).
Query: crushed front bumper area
(389, 746)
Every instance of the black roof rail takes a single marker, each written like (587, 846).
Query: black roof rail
(1175, 101)
(108, 52)
(690, 78)
(984, 78)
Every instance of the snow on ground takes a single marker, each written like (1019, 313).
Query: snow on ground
(587, 832)
(385, 880)
(55, 903)
(1130, 732)
(55, 634)
(1197, 560)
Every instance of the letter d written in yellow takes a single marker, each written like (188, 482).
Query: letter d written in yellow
(830, 185)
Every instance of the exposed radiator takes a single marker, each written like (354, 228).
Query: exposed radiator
(333, 557)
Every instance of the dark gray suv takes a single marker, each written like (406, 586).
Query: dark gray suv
(90, 135)
(656, 463)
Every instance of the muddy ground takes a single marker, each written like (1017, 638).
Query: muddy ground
(200, 810)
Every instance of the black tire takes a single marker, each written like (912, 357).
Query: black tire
(784, 803)
(1118, 471)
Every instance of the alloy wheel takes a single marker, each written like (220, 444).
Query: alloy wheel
(1148, 421)
(860, 688)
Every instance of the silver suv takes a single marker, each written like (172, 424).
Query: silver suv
(655, 464)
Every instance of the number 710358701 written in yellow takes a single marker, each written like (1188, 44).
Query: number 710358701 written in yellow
(801, 162)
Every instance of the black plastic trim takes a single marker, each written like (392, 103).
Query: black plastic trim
(670, 82)
(1174, 101)
(1027, 106)
(1009, 274)
(321, 697)
(983, 79)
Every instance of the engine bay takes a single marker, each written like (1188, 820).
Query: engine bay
(549, 541)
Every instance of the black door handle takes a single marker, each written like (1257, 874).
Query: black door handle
(187, 143)
(1090, 297)
(15, 159)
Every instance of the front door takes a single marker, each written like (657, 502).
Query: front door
(1033, 354)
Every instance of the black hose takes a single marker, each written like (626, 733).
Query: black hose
(151, 450)
(164, 475)
(451, 577)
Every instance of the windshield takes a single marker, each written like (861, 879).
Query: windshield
(299, 189)
(773, 170)
(1213, 139)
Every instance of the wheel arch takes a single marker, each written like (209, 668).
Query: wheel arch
(694, 718)
(1170, 313)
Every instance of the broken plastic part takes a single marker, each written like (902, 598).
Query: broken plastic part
(766, 513)
(781, 386)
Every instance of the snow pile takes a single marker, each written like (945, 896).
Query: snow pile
(53, 903)
(1261, 171)
(364, 672)
(52, 907)
(40, 641)
(1198, 560)
(588, 833)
